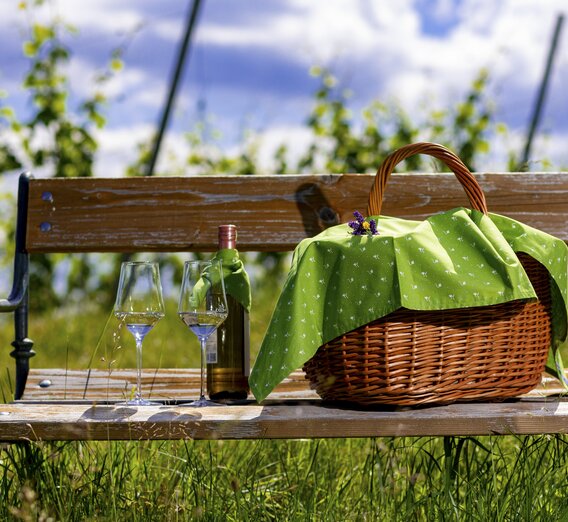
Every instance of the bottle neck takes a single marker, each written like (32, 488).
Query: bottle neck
(227, 236)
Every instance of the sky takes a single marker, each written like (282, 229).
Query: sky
(248, 68)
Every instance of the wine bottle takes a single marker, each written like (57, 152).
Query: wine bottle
(228, 351)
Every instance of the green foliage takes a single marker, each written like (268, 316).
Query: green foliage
(342, 142)
(468, 123)
(344, 145)
(339, 145)
(53, 136)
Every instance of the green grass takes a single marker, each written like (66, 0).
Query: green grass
(391, 479)
(502, 479)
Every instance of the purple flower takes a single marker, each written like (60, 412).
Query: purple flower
(373, 225)
(362, 227)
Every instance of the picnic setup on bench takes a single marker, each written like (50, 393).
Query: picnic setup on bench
(417, 304)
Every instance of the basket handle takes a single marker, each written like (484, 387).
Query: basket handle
(465, 177)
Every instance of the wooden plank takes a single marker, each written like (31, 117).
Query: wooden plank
(65, 411)
(291, 419)
(166, 384)
(271, 212)
(169, 384)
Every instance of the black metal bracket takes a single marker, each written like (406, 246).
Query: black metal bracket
(17, 301)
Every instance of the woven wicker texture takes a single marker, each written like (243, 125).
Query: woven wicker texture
(418, 357)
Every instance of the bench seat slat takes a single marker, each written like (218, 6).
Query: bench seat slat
(160, 384)
(172, 384)
(293, 419)
(64, 412)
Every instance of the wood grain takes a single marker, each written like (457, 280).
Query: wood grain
(272, 213)
(168, 384)
(65, 411)
(292, 419)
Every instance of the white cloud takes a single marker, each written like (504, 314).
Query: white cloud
(83, 79)
(118, 148)
(105, 15)
(297, 139)
(550, 150)
(518, 36)
(510, 38)
(319, 32)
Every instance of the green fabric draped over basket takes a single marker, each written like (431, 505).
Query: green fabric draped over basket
(456, 259)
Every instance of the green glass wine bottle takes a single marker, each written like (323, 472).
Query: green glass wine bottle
(228, 351)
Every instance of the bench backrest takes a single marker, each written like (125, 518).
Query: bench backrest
(272, 213)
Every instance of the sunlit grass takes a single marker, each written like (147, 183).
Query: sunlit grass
(355, 479)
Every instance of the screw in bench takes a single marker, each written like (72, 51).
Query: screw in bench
(46, 383)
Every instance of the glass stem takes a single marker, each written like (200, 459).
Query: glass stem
(138, 392)
(203, 341)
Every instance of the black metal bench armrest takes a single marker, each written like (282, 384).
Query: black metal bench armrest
(19, 286)
(17, 301)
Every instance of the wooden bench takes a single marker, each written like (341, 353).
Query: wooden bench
(272, 213)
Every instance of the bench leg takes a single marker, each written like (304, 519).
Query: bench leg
(22, 347)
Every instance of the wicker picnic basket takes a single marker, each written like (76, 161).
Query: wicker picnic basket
(422, 357)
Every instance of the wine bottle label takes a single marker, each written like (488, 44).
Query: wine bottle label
(211, 348)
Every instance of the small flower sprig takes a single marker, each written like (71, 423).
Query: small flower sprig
(363, 227)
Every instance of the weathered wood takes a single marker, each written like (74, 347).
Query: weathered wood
(168, 384)
(79, 405)
(271, 212)
(296, 419)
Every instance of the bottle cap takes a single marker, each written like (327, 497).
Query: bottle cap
(227, 236)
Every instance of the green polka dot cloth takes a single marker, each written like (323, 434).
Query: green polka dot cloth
(460, 258)
(235, 277)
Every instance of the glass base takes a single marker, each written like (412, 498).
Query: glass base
(139, 402)
(202, 403)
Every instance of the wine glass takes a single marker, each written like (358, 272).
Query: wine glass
(202, 308)
(139, 305)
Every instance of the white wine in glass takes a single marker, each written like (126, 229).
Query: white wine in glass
(202, 307)
(139, 305)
